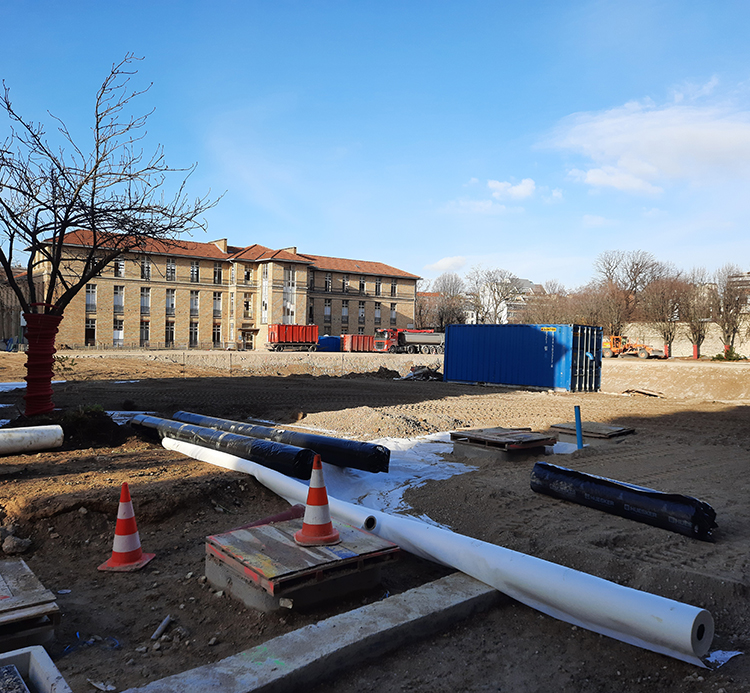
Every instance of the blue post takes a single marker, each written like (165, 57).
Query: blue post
(579, 432)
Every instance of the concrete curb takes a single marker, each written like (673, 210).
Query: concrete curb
(306, 656)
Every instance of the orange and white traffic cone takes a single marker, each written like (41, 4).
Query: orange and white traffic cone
(126, 552)
(317, 528)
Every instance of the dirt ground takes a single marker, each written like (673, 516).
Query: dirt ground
(693, 439)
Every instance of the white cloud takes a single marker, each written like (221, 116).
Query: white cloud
(517, 192)
(447, 264)
(552, 196)
(640, 147)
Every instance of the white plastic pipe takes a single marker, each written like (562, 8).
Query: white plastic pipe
(30, 438)
(638, 618)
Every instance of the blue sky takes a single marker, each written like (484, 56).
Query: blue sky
(433, 136)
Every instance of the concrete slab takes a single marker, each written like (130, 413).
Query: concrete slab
(306, 656)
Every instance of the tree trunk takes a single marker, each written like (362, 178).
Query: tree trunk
(40, 334)
(696, 351)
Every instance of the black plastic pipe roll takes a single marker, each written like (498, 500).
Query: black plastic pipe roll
(288, 459)
(336, 451)
(672, 511)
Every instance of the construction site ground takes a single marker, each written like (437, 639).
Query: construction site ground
(691, 436)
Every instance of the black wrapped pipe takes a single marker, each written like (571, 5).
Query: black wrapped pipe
(672, 511)
(341, 453)
(287, 459)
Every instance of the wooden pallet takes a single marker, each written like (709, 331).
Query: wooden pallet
(28, 611)
(593, 429)
(503, 438)
(266, 558)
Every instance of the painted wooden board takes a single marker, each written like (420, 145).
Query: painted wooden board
(269, 556)
(22, 596)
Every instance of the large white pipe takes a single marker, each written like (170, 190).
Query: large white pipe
(30, 438)
(639, 618)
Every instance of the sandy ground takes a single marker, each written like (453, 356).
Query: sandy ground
(693, 439)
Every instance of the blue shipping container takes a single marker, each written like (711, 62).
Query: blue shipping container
(329, 343)
(567, 357)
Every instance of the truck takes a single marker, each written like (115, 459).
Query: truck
(401, 341)
(619, 345)
(292, 338)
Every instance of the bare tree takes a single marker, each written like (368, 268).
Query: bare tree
(662, 302)
(695, 310)
(552, 306)
(728, 301)
(490, 291)
(425, 313)
(451, 300)
(111, 189)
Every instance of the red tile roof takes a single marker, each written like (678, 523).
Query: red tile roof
(252, 253)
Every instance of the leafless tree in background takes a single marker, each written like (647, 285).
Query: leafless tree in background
(695, 310)
(728, 302)
(489, 290)
(662, 300)
(550, 307)
(451, 300)
(425, 313)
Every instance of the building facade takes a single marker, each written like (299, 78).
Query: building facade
(188, 295)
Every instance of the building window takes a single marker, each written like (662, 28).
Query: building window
(90, 298)
(170, 301)
(311, 313)
(329, 282)
(344, 329)
(327, 310)
(393, 313)
(345, 283)
(216, 335)
(169, 334)
(90, 335)
(232, 273)
(394, 287)
(146, 268)
(144, 333)
(248, 274)
(231, 305)
(362, 285)
(378, 285)
(311, 279)
(145, 300)
(360, 330)
(361, 316)
(377, 313)
(217, 273)
(217, 304)
(289, 296)
(118, 332)
(195, 271)
(193, 334)
(264, 295)
(193, 304)
(118, 299)
(171, 269)
(247, 306)
(119, 268)
(344, 312)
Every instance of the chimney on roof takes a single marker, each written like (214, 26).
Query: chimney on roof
(291, 249)
(221, 244)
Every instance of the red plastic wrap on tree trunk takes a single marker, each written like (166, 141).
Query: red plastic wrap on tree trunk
(41, 330)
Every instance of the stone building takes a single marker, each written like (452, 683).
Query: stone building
(213, 295)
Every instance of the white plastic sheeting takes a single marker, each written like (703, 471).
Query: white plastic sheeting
(639, 618)
(30, 438)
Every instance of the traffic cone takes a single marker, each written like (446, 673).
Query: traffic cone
(126, 552)
(317, 529)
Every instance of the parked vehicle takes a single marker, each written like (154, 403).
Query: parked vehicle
(292, 338)
(617, 345)
(400, 341)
